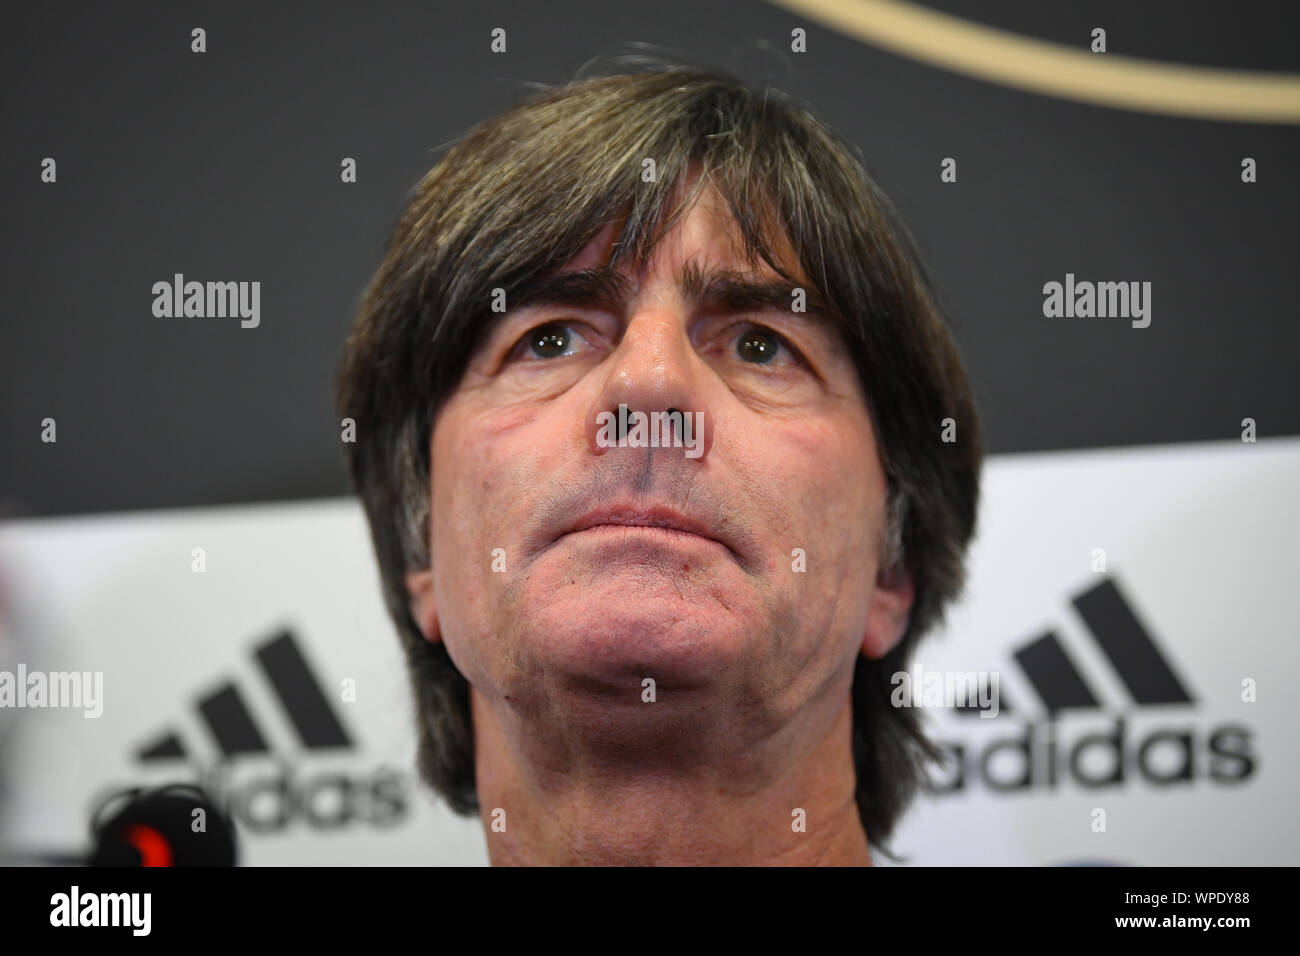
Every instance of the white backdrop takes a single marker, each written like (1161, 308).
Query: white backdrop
(1199, 546)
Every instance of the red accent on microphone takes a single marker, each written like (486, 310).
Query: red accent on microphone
(153, 846)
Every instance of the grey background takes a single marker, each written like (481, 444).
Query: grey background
(225, 166)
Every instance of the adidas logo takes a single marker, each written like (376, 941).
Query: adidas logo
(232, 724)
(1036, 759)
(270, 804)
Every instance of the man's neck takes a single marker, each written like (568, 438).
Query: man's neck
(805, 814)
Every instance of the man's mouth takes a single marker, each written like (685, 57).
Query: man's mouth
(656, 518)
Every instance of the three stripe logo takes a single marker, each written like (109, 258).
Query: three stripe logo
(227, 716)
(1038, 755)
(1124, 641)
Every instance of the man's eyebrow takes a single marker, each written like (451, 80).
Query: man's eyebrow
(715, 290)
(727, 291)
(598, 288)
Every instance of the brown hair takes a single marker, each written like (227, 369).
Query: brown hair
(520, 195)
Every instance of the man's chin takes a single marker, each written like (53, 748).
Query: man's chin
(613, 640)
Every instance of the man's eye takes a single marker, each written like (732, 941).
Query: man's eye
(552, 340)
(760, 346)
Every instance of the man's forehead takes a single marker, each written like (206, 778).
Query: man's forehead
(706, 239)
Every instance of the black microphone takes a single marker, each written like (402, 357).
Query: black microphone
(151, 827)
(173, 825)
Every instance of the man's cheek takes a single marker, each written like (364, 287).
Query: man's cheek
(468, 631)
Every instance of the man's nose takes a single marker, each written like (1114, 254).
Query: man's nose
(654, 370)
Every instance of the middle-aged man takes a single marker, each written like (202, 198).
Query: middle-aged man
(674, 650)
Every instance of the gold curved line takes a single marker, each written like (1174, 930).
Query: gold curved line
(1053, 69)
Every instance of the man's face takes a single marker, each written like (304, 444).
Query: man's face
(740, 634)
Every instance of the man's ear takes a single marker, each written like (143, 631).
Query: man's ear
(419, 585)
(889, 612)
